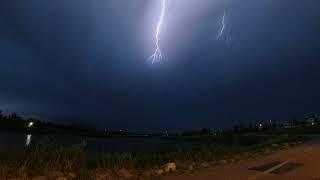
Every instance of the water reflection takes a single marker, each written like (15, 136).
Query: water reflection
(97, 145)
(28, 140)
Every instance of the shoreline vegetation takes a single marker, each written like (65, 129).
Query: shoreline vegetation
(12, 122)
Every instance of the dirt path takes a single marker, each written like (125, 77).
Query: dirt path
(300, 162)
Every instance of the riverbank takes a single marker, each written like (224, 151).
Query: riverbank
(52, 162)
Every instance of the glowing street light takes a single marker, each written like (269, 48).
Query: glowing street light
(30, 124)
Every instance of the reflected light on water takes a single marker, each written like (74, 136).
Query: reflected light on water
(28, 140)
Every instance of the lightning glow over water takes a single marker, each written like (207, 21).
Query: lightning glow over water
(157, 55)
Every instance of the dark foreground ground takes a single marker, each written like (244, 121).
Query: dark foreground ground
(46, 162)
(301, 162)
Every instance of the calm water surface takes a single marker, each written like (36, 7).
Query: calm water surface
(123, 144)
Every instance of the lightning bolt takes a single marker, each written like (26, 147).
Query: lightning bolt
(223, 25)
(157, 55)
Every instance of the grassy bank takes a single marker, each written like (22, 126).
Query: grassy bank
(43, 159)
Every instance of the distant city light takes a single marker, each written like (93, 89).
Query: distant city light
(30, 124)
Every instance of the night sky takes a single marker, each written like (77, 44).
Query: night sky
(86, 61)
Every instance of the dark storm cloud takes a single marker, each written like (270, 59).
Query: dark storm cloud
(85, 61)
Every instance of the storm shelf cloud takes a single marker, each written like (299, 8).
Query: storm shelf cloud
(87, 62)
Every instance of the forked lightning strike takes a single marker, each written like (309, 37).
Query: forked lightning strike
(223, 25)
(157, 55)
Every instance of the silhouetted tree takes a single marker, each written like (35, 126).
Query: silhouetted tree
(13, 116)
(295, 121)
(205, 131)
(251, 127)
(1, 115)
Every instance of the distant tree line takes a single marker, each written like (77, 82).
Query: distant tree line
(203, 132)
(312, 120)
(309, 121)
(14, 123)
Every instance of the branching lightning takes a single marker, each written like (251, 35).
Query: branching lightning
(223, 25)
(157, 55)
